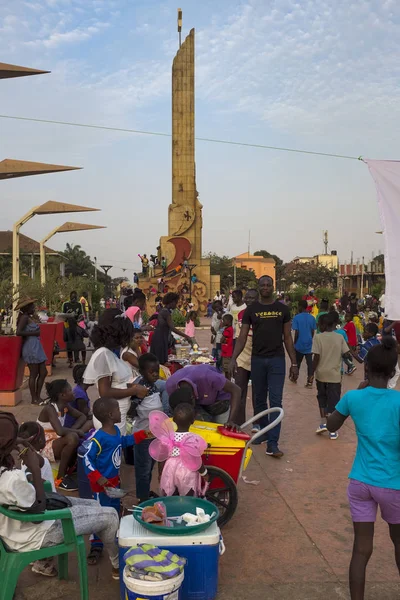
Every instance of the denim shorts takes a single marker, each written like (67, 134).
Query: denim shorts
(364, 501)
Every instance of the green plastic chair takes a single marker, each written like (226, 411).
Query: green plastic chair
(12, 563)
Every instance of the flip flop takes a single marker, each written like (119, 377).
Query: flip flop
(94, 555)
(44, 567)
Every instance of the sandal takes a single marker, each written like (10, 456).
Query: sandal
(94, 555)
(44, 567)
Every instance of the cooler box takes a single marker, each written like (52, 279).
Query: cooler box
(201, 551)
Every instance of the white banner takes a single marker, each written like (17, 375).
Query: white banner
(386, 174)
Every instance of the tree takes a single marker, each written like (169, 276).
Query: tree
(308, 275)
(224, 267)
(265, 254)
(77, 262)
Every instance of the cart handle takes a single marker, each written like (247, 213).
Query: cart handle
(262, 431)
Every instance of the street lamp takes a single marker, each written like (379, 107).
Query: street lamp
(106, 268)
(48, 208)
(190, 267)
(68, 226)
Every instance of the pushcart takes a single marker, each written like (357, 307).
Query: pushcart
(227, 456)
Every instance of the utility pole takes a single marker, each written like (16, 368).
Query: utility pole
(106, 268)
(234, 273)
(95, 268)
(180, 26)
(325, 241)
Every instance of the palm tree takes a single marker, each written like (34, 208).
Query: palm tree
(77, 262)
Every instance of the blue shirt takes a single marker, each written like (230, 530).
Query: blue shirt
(305, 324)
(362, 355)
(104, 453)
(376, 416)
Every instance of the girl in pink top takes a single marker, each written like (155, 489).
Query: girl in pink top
(190, 328)
(134, 305)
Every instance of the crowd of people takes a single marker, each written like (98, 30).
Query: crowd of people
(250, 333)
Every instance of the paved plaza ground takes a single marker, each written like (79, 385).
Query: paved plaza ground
(291, 536)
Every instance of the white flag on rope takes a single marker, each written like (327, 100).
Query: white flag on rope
(386, 174)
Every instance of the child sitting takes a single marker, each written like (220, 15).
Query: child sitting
(183, 473)
(132, 352)
(32, 431)
(227, 343)
(103, 460)
(61, 442)
(140, 409)
(81, 400)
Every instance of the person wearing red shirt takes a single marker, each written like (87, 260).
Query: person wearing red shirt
(350, 329)
(227, 343)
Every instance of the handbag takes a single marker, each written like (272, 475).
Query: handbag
(55, 501)
(218, 408)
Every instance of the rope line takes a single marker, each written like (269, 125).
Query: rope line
(200, 139)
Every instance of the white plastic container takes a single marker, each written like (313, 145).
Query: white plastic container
(135, 589)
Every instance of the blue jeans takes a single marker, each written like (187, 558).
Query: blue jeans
(161, 386)
(268, 378)
(143, 469)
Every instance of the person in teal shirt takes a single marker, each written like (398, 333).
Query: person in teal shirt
(375, 475)
(323, 310)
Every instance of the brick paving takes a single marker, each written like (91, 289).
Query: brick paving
(291, 536)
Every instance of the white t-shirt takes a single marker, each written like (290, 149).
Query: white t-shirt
(46, 472)
(16, 491)
(135, 372)
(234, 310)
(104, 363)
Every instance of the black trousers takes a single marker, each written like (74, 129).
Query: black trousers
(242, 380)
(308, 357)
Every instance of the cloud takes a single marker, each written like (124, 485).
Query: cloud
(79, 34)
(306, 67)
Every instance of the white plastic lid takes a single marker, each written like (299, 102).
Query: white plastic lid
(132, 533)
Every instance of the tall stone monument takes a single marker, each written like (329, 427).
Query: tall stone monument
(184, 240)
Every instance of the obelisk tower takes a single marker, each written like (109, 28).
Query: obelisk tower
(185, 211)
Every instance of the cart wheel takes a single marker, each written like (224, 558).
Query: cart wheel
(222, 492)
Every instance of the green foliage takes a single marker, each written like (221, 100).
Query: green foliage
(297, 294)
(178, 319)
(265, 254)
(54, 292)
(377, 289)
(77, 262)
(327, 293)
(224, 267)
(308, 275)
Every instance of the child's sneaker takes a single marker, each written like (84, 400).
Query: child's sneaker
(67, 484)
(115, 573)
(322, 428)
(351, 370)
(255, 428)
(333, 435)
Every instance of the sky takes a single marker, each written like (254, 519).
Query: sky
(304, 74)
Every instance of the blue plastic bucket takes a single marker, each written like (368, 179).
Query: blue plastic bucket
(168, 589)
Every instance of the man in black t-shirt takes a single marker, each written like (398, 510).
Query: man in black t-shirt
(271, 325)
